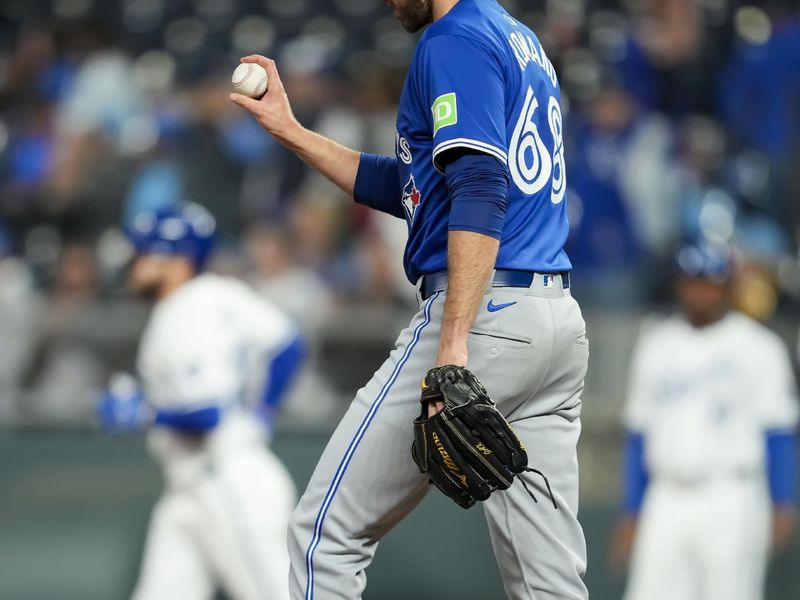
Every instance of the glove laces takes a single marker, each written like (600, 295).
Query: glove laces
(546, 482)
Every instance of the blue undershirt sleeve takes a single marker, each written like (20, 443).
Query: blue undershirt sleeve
(634, 474)
(478, 187)
(782, 466)
(378, 184)
(201, 420)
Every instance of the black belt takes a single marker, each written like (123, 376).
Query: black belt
(437, 282)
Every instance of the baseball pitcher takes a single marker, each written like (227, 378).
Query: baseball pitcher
(711, 451)
(479, 177)
(215, 360)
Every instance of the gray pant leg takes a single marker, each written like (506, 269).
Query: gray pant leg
(540, 550)
(537, 383)
(532, 358)
(365, 481)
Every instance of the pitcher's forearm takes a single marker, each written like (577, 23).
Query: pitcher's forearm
(333, 160)
(471, 257)
(274, 113)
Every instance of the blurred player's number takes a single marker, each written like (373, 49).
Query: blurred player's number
(531, 164)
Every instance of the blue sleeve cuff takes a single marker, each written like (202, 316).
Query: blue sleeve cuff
(478, 188)
(200, 420)
(634, 473)
(282, 371)
(378, 184)
(782, 466)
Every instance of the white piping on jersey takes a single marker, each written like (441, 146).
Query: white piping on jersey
(468, 143)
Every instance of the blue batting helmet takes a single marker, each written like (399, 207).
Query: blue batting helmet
(185, 229)
(705, 260)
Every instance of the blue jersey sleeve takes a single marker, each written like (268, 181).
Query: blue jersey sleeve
(282, 371)
(782, 466)
(463, 88)
(634, 474)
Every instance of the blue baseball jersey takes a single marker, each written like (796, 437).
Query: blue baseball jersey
(480, 80)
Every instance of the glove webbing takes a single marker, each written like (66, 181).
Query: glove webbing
(475, 453)
(498, 475)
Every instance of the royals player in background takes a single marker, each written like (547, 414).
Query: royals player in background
(479, 178)
(215, 361)
(710, 475)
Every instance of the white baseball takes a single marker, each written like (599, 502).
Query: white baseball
(250, 79)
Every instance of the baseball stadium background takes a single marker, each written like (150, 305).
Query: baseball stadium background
(683, 117)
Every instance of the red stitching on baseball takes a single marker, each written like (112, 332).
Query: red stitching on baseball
(246, 77)
(258, 87)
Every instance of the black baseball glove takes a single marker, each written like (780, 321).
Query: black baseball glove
(468, 450)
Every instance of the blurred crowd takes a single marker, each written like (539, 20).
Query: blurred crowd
(683, 119)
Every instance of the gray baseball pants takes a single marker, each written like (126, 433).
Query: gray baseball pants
(532, 357)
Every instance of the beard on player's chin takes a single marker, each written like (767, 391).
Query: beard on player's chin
(145, 278)
(150, 291)
(413, 14)
(147, 290)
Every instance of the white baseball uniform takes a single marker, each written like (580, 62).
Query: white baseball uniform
(221, 523)
(703, 398)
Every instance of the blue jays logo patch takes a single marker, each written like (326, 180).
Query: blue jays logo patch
(411, 197)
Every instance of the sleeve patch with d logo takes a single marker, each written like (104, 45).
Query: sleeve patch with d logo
(445, 111)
